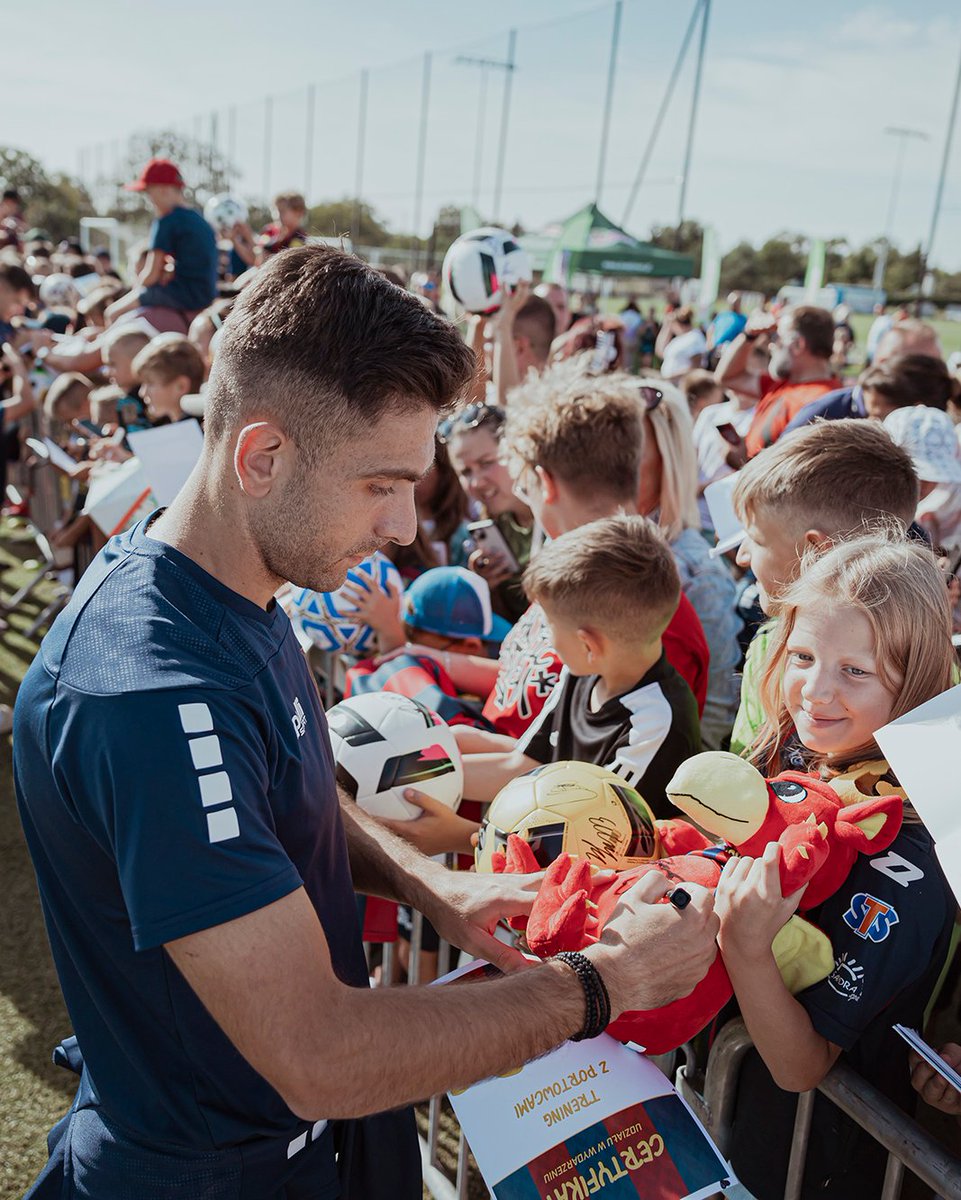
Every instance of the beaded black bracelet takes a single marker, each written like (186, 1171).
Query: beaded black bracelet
(597, 1002)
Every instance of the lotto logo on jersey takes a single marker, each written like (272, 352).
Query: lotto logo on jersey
(870, 918)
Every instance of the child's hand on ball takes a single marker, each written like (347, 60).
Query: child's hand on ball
(438, 829)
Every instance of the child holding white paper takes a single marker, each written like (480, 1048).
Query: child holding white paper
(864, 636)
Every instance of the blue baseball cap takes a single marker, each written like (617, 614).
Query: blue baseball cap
(455, 603)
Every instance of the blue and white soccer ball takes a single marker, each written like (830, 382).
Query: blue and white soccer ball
(331, 620)
(223, 211)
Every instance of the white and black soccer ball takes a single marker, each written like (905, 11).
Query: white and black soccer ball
(331, 619)
(223, 211)
(481, 264)
(384, 743)
(59, 291)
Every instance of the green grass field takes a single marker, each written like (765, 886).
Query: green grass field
(33, 1093)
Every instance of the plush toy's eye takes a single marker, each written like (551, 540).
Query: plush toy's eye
(791, 793)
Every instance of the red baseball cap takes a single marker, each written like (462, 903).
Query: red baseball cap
(158, 170)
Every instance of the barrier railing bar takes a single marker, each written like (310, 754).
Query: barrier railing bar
(799, 1146)
(893, 1178)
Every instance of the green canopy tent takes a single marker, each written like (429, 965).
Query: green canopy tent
(590, 243)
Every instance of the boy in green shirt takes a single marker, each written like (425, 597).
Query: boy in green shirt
(826, 482)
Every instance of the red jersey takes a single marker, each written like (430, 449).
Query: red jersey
(780, 403)
(530, 667)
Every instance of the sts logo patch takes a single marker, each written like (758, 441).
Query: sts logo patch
(870, 918)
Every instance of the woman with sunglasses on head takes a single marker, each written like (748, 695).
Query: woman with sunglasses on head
(668, 495)
(472, 438)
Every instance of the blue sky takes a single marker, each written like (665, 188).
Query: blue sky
(790, 134)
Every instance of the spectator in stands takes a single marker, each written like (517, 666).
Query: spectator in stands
(286, 230)
(928, 435)
(619, 703)
(472, 437)
(16, 293)
(825, 483)
(681, 345)
(904, 337)
(68, 399)
(179, 237)
(726, 326)
(556, 296)
(169, 367)
(205, 325)
(572, 443)
(799, 371)
(119, 349)
(668, 494)
(862, 637)
(906, 380)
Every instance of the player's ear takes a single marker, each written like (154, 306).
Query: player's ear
(259, 455)
(470, 645)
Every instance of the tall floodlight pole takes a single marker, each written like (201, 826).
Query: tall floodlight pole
(903, 135)
(702, 45)
(309, 142)
(361, 145)
(505, 120)
(421, 157)
(485, 64)
(661, 113)
(935, 215)
(232, 142)
(608, 102)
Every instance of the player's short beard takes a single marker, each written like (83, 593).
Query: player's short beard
(290, 551)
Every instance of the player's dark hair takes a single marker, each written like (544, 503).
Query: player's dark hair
(324, 345)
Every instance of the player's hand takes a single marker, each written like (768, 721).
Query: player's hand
(651, 954)
(736, 456)
(750, 905)
(490, 565)
(437, 830)
(933, 1088)
(465, 908)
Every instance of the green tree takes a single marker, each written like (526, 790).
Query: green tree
(54, 203)
(739, 269)
(686, 238)
(206, 171)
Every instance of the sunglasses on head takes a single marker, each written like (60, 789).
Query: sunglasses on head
(474, 416)
(651, 396)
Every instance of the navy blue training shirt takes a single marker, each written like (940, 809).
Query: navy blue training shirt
(173, 772)
(188, 239)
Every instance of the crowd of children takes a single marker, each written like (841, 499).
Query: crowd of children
(565, 598)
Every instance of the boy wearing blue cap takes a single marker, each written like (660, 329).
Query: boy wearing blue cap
(449, 610)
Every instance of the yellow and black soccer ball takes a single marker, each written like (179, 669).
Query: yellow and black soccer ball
(575, 807)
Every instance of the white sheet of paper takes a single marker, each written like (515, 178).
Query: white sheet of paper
(727, 524)
(118, 493)
(922, 750)
(60, 458)
(168, 455)
(585, 1115)
(930, 1056)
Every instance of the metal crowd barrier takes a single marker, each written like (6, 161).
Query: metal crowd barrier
(909, 1146)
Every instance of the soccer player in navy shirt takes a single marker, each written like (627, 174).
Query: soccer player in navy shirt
(177, 791)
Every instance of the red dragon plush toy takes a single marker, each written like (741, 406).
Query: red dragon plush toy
(820, 837)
